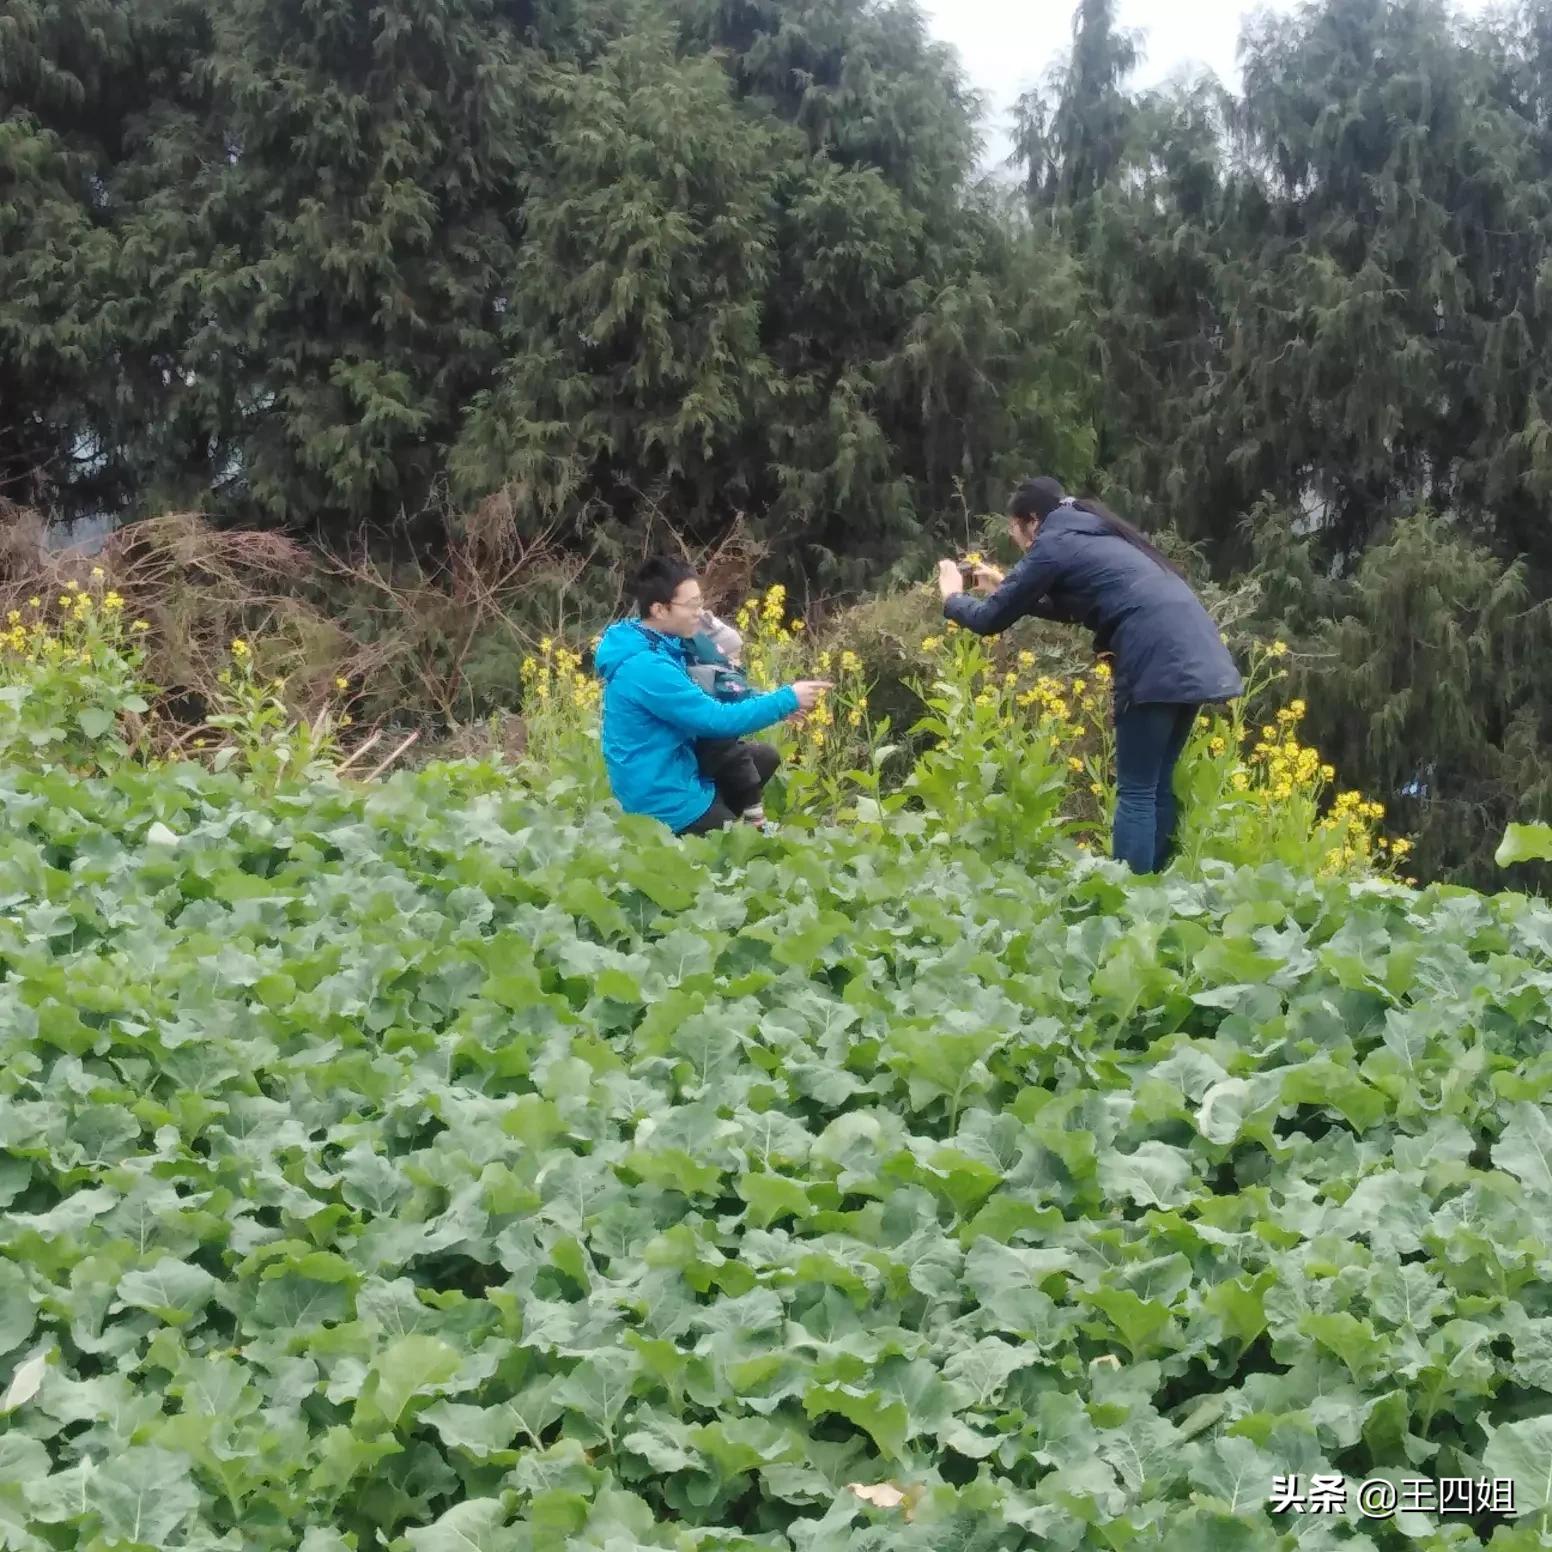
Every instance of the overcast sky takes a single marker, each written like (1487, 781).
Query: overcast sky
(1007, 45)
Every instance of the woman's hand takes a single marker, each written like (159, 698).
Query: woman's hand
(988, 578)
(949, 579)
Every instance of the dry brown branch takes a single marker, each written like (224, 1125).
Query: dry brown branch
(378, 770)
(355, 754)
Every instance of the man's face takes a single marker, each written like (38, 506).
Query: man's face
(683, 616)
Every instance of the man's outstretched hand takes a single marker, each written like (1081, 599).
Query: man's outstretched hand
(809, 692)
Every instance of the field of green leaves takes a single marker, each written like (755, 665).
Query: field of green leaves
(406, 1166)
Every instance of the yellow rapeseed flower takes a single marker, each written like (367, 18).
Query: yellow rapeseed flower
(239, 647)
(140, 625)
(342, 684)
(1279, 649)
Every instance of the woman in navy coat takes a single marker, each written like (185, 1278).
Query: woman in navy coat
(1084, 566)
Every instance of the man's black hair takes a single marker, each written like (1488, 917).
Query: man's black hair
(660, 577)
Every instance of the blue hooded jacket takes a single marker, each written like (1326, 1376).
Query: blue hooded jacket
(653, 713)
(1165, 644)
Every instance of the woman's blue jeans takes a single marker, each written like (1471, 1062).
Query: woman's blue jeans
(1149, 741)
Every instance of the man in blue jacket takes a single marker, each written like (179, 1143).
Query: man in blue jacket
(654, 712)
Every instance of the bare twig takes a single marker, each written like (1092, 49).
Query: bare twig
(360, 749)
(378, 770)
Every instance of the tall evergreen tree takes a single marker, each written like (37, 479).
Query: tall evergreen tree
(1077, 132)
(797, 308)
(356, 242)
(83, 84)
(1423, 671)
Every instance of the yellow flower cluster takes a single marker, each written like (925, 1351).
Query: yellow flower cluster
(817, 724)
(769, 642)
(1049, 696)
(1286, 764)
(775, 653)
(81, 620)
(556, 678)
(1352, 805)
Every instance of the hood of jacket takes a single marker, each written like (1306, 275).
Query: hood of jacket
(626, 639)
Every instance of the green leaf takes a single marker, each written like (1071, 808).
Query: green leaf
(172, 1290)
(599, 1388)
(773, 1196)
(1524, 1150)
(1323, 1082)
(1154, 1175)
(411, 1367)
(481, 1431)
(475, 1525)
(886, 1422)
(1524, 843)
(145, 1497)
(17, 1314)
(1523, 1452)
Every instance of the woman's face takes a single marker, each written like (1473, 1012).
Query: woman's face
(1022, 530)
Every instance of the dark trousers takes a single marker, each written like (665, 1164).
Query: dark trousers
(740, 769)
(1150, 739)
